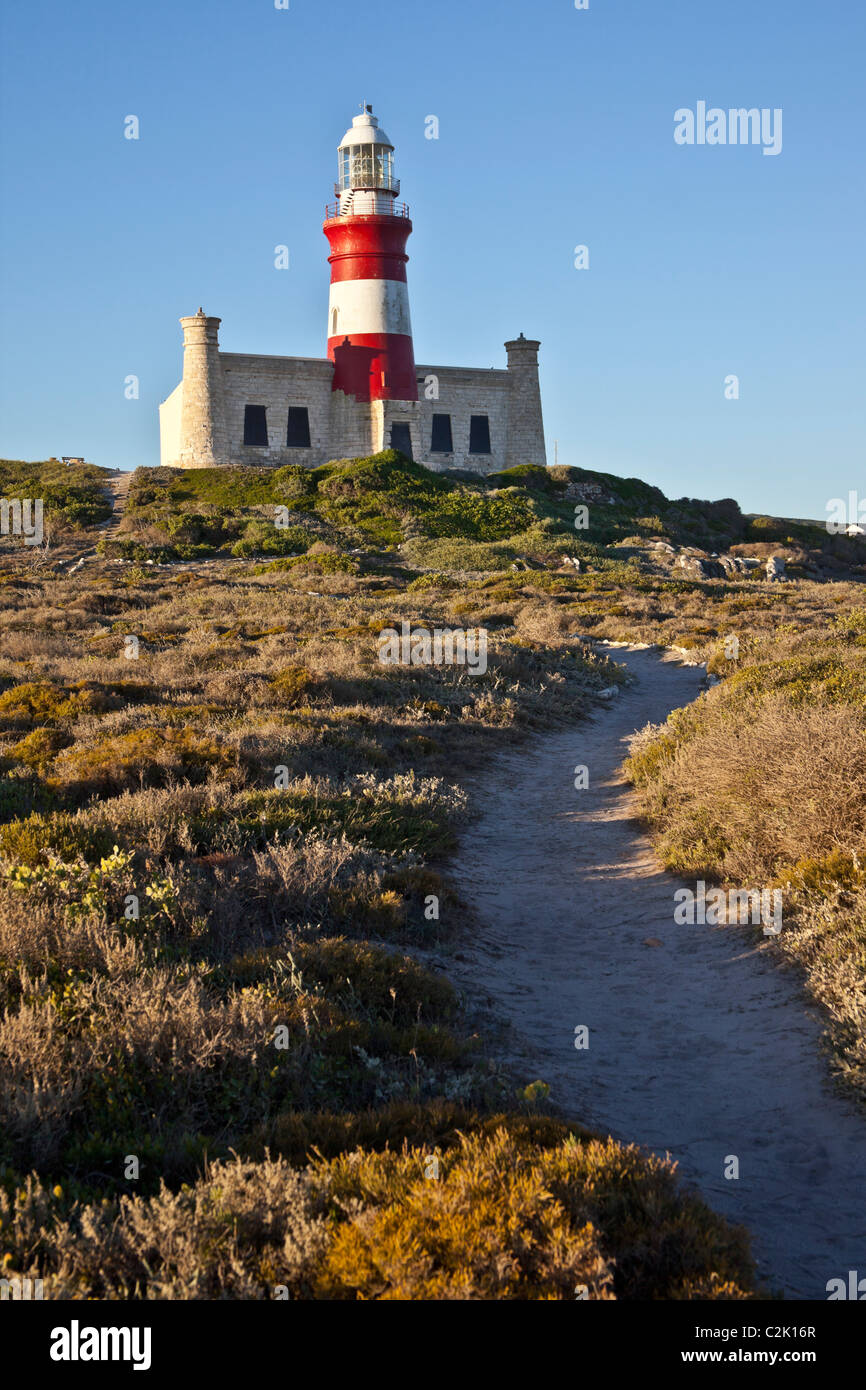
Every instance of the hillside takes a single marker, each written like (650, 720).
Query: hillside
(224, 839)
(441, 521)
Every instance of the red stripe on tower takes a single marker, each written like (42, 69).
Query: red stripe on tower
(369, 328)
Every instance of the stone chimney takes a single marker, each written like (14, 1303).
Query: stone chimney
(525, 423)
(203, 435)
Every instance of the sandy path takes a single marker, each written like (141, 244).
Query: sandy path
(701, 1046)
(118, 494)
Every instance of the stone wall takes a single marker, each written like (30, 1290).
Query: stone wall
(202, 422)
(170, 413)
(277, 383)
(203, 437)
(525, 425)
(462, 393)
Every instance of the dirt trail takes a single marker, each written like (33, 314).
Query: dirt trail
(701, 1046)
(118, 493)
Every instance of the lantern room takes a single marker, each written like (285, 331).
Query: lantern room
(366, 183)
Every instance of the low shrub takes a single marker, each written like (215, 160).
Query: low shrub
(37, 749)
(145, 757)
(496, 1215)
(292, 686)
(263, 538)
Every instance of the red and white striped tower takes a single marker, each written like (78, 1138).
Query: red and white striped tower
(369, 329)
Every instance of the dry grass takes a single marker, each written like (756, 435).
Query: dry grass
(503, 1214)
(236, 837)
(758, 787)
(760, 784)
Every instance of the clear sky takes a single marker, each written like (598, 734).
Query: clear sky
(556, 129)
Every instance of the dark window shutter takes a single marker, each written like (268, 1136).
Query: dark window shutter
(479, 434)
(401, 437)
(298, 431)
(256, 425)
(441, 441)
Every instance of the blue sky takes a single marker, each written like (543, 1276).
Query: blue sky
(556, 130)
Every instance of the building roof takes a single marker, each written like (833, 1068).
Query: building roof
(365, 130)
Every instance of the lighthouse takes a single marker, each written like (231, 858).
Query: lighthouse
(369, 328)
(368, 394)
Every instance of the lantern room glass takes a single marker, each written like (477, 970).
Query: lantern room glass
(366, 166)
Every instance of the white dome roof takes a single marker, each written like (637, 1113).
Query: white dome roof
(365, 130)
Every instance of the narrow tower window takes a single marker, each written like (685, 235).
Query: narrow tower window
(479, 434)
(256, 425)
(334, 318)
(298, 432)
(441, 441)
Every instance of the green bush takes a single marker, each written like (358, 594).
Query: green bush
(293, 483)
(264, 538)
(34, 839)
(38, 748)
(143, 757)
(76, 493)
(766, 528)
(530, 475)
(506, 1209)
(292, 686)
(507, 1219)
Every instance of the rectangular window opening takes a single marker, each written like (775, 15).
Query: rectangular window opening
(401, 437)
(256, 425)
(479, 434)
(441, 441)
(298, 431)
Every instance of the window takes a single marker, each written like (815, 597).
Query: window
(441, 441)
(479, 434)
(298, 432)
(256, 425)
(367, 166)
(384, 166)
(362, 167)
(401, 437)
(335, 316)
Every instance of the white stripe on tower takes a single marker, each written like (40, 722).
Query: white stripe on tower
(369, 306)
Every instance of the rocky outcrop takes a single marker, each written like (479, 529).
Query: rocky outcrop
(715, 566)
(737, 564)
(700, 568)
(585, 491)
